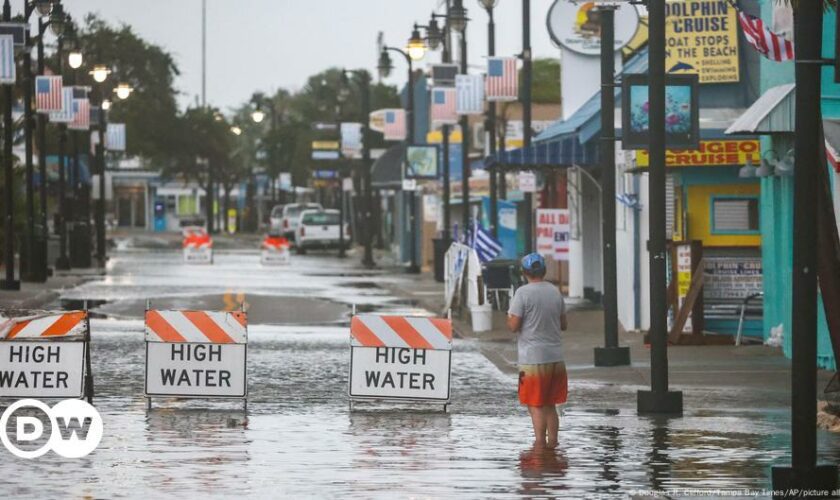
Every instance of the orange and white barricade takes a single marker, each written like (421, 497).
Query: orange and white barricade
(196, 354)
(401, 358)
(46, 356)
(275, 250)
(197, 245)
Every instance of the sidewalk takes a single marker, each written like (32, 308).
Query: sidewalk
(33, 296)
(711, 377)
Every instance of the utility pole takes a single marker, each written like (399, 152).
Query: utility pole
(526, 116)
(659, 400)
(611, 354)
(803, 473)
(31, 256)
(100, 166)
(446, 58)
(364, 86)
(9, 283)
(63, 262)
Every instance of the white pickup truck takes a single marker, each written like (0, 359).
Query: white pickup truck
(319, 229)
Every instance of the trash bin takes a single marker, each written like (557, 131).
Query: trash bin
(482, 318)
(80, 247)
(440, 246)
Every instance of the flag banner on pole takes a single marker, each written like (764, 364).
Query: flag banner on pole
(81, 115)
(770, 45)
(8, 75)
(80, 92)
(470, 93)
(115, 137)
(502, 83)
(443, 106)
(395, 127)
(351, 140)
(443, 75)
(48, 94)
(485, 245)
(65, 115)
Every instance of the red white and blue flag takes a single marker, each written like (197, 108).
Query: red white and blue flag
(772, 46)
(443, 106)
(394, 128)
(65, 114)
(81, 114)
(48, 94)
(502, 82)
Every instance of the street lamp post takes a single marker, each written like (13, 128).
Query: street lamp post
(413, 53)
(32, 257)
(526, 116)
(611, 354)
(100, 74)
(9, 283)
(490, 126)
(363, 78)
(436, 38)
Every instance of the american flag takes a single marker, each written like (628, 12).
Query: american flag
(115, 137)
(395, 129)
(772, 46)
(81, 114)
(470, 93)
(48, 94)
(502, 83)
(8, 73)
(65, 115)
(443, 105)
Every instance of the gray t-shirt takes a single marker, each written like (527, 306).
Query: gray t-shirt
(540, 306)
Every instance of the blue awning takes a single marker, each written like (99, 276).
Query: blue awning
(562, 153)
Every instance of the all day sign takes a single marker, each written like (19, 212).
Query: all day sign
(553, 231)
(701, 38)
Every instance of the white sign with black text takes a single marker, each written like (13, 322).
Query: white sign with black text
(196, 369)
(399, 373)
(49, 369)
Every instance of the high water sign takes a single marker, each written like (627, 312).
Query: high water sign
(702, 38)
(400, 358)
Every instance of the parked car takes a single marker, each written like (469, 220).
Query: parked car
(319, 229)
(275, 220)
(291, 217)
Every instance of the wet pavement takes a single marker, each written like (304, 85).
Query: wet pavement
(298, 438)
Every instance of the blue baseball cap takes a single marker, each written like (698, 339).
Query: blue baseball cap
(533, 262)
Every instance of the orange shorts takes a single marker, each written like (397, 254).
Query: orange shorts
(543, 384)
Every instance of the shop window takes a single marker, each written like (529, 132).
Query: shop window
(735, 215)
(187, 205)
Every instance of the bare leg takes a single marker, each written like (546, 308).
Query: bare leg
(538, 419)
(552, 422)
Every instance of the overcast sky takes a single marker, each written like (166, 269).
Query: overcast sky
(267, 44)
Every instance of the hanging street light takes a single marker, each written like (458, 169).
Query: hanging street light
(100, 73)
(385, 65)
(458, 16)
(123, 90)
(416, 47)
(57, 19)
(258, 115)
(106, 104)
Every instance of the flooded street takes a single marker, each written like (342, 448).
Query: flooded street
(298, 437)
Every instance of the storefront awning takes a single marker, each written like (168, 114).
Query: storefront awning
(772, 113)
(386, 171)
(564, 153)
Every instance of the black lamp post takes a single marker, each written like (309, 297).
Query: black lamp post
(363, 79)
(415, 51)
(525, 95)
(10, 282)
(35, 250)
(100, 74)
(490, 124)
(437, 38)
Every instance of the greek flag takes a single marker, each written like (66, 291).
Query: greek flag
(485, 245)
(7, 59)
(470, 94)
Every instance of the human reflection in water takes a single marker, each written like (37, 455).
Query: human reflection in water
(542, 471)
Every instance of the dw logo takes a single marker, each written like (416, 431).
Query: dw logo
(75, 428)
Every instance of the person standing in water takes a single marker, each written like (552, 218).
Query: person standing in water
(538, 314)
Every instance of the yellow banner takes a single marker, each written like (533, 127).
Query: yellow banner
(702, 38)
(325, 145)
(710, 154)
